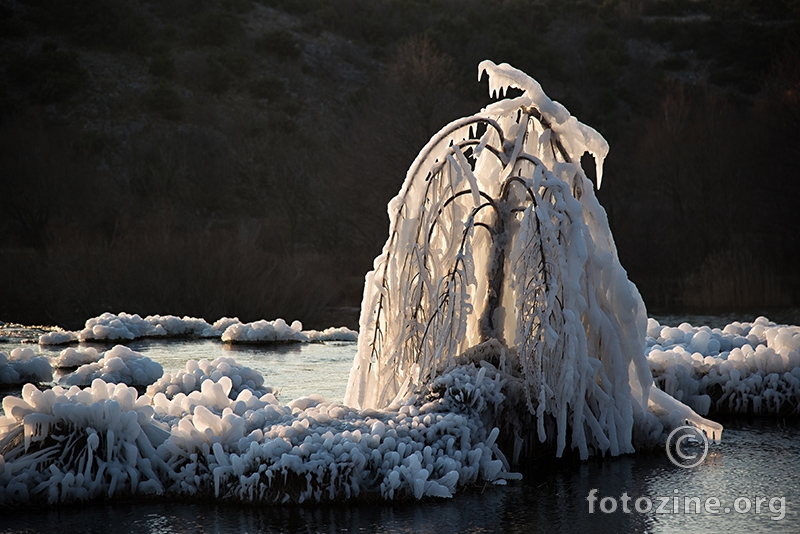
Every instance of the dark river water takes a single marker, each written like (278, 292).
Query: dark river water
(754, 474)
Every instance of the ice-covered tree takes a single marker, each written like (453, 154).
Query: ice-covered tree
(497, 243)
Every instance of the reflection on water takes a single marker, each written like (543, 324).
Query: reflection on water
(756, 459)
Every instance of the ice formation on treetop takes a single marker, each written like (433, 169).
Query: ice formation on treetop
(496, 238)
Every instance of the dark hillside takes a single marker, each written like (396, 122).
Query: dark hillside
(234, 157)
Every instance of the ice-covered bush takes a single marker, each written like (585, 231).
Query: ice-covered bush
(341, 333)
(64, 445)
(119, 365)
(745, 368)
(72, 357)
(496, 234)
(125, 326)
(219, 326)
(23, 365)
(58, 338)
(263, 330)
(192, 376)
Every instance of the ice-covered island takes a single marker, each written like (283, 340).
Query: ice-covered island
(497, 322)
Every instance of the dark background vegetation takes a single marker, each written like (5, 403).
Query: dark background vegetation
(235, 157)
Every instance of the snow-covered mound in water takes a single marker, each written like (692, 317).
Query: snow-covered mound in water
(341, 333)
(127, 327)
(109, 326)
(72, 357)
(279, 331)
(105, 441)
(118, 365)
(23, 365)
(195, 373)
(260, 331)
(745, 368)
(58, 337)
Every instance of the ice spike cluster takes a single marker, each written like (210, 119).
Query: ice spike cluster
(63, 445)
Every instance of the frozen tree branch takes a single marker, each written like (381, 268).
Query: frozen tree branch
(541, 278)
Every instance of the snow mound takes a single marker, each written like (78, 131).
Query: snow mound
(176, 326)
(58, 338)
(195, 373)
(117, 365)
(72, 357)
(745, 368)
(127, 327)
(264, 331)
(109, 326)
(23, 365)
(219, 326)
(341, 333)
